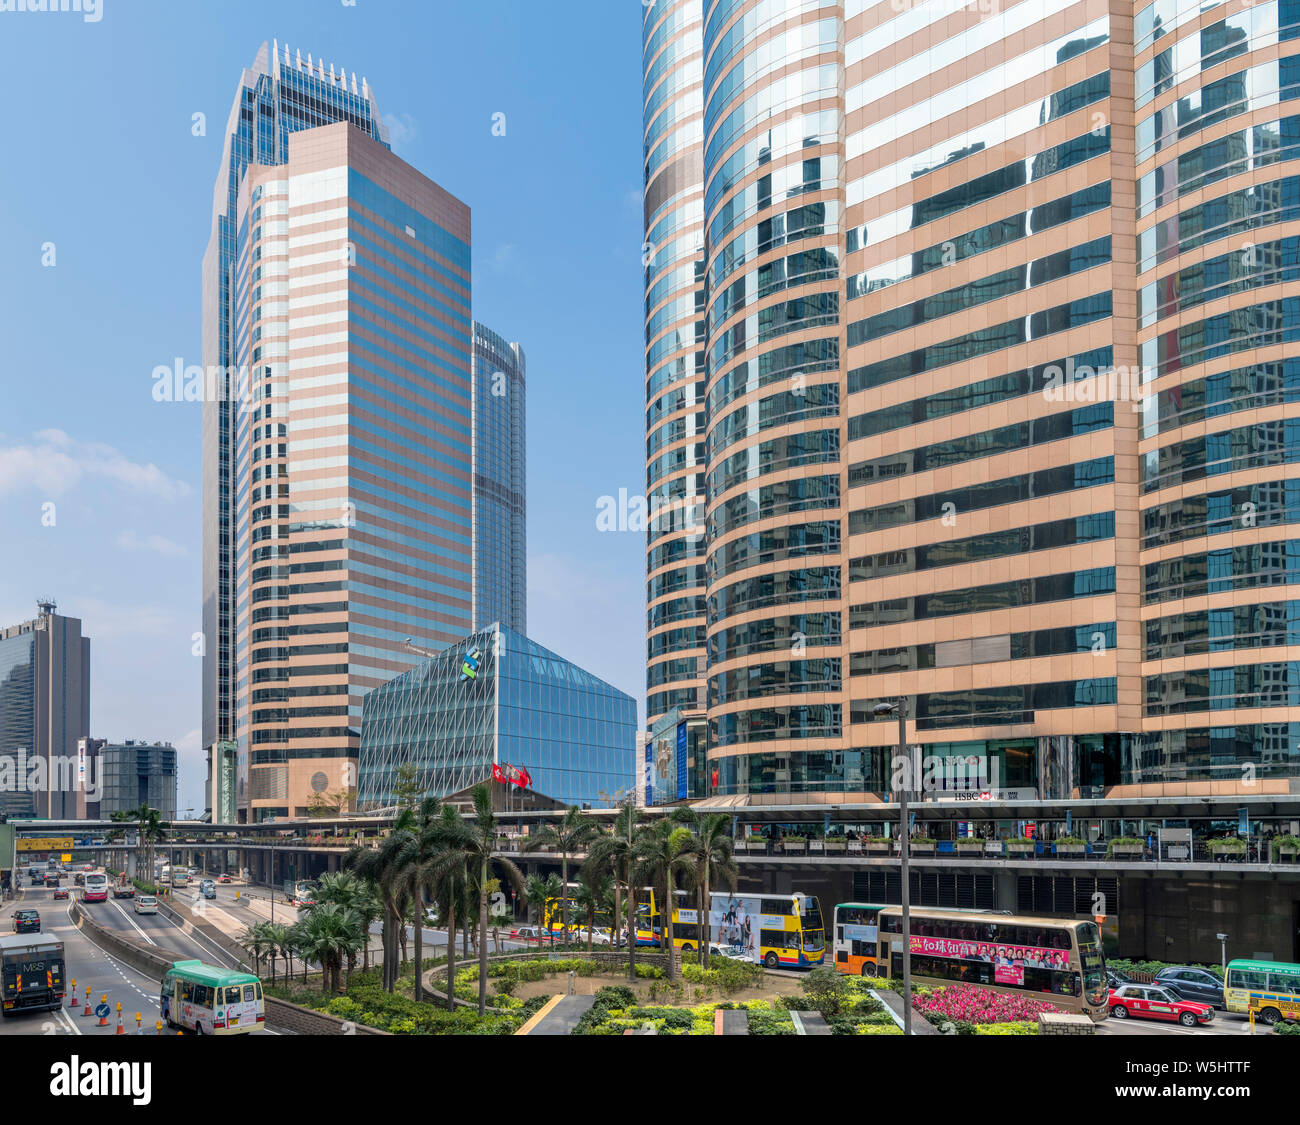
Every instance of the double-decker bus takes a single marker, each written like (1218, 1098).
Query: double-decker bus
(96, 887)
(647, 918)
(210, 1000)
(1055, 959)
(779, 931)
(855, 935)
(1271, 987)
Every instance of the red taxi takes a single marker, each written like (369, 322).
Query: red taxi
(1152, 1002)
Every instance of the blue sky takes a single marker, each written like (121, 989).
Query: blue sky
(101, 162)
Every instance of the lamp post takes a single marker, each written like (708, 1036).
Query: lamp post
(1223, 947)
(899, 707)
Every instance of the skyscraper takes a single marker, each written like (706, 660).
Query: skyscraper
(350, 449)
(44, 713)
(949, 321)
(278, 96)
(500, 526)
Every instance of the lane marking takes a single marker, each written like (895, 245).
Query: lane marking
(132, 923)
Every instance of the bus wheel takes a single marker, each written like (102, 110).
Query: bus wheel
(868, 969)
(1119, 1012)
(688, 949)
(771, 960)
(1270, 1016)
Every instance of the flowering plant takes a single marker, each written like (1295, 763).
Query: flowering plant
(980, 1005)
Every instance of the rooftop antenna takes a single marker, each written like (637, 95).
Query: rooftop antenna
(46, 605)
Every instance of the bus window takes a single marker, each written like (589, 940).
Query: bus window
(203, 996)
(187, 992)
(1244, 978)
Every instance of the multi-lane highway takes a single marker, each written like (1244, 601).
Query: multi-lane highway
(90, 966)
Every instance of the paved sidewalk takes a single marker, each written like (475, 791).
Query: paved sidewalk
(810, 1023)
(735, 1021)
(563, 1017)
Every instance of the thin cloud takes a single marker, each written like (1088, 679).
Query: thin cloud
(401, 128)
(53, 463)
(160, 544)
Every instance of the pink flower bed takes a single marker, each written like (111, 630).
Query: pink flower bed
(981, 1005)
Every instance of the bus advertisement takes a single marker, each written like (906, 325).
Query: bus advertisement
(1055, 959)
(210, 1000)
(96, 887)
(778, 931)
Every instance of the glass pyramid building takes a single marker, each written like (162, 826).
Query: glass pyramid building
(497, 698)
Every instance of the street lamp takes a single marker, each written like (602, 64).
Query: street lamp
(880, 710)
(1223, 947)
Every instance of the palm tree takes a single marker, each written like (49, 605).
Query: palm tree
(573, 834)
(448, 874)
(714, 858)
(591, 896)
(326, 935)
(150, 831)
(539, 892)
(346, 890)
(615, 852)
(664, 855)
(383, 867)
(416, 873)
(277, 942)
(369, 908)
(254, 940)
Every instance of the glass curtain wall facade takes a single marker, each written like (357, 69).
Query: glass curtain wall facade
(496, 698)
(352, 479)
(500, 510)
(44, 714)
(135, 774)
(279, 95)
(930, 371)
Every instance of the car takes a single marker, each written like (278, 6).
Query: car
(27, 922)
(191, 871)
(60, 892)
(717, 949)
(223, 878)
(1116, 977)
(1192, 983)
(208, 889)
(53, 879)
(79, 878)
(1152, 1002)
(87, 867)
(525, 933)
(146, 904)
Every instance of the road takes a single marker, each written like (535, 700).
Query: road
(89, 965)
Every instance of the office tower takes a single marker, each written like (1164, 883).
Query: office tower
(44, 712)
(500, 526)
(134, 773)
(498, 705)
(352, 451)
(277, 97)
(947, 314)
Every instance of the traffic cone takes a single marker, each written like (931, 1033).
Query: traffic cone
(138, 1029)
(73, 1002)
(88, 1010)
(120, 1029)
(157, 1026)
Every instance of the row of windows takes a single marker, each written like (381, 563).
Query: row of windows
(1223, 689)
(1001, 706)
(1244, 329)
(1242, 388)
(805, 584)
(813, 630)
(671, 581)
(1000, 388)
(766, 724)
(1214, 513)
(1017, 279)
(784, 677)
(1098, 637)
(989, 443)
(1003, 232)
(781, 409)
(990, 494)
(798, 494)
(1257, 265)
(1229, 451)
(804, 268)
(787, 362)
(996, 544)
(815, 447)
(1247, 567)
(762, 547)
(985, 599)
(962, 349)
(1265, 625)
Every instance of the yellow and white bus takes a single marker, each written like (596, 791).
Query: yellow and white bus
(1059, 960)
(1271, 987)
(778, 931)
(211, 1001)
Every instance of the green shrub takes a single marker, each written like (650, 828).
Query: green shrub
(1286, 1027)
(827, 990)
(767, 1022)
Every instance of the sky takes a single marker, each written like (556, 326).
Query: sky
(106, 207)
